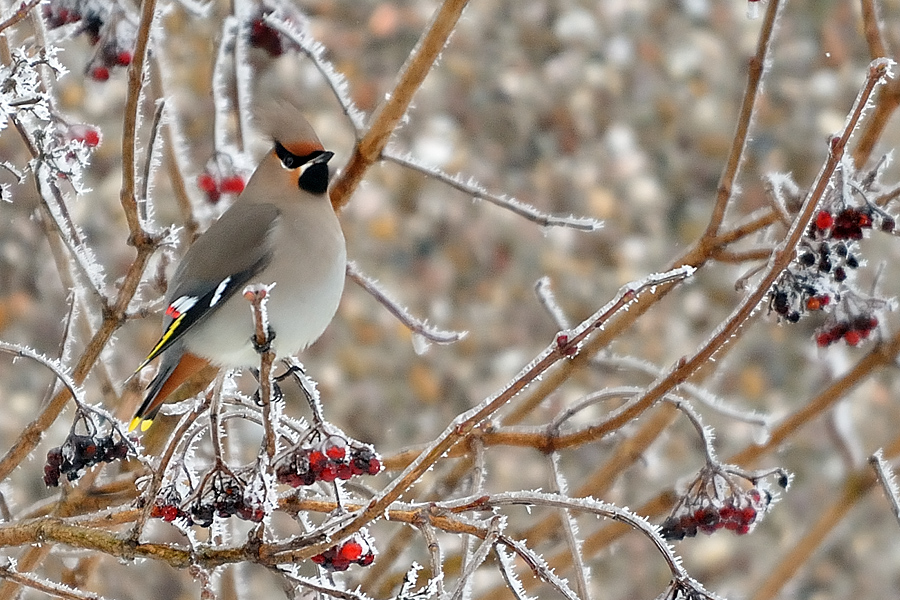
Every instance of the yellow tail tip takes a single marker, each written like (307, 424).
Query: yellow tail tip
(144, 423)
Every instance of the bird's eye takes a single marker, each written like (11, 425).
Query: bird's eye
(289, 160)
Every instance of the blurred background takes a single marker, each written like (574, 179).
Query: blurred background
(623, 111)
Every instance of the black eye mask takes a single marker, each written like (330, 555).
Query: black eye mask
(292, 161)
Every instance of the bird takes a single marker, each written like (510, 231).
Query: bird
(280, 230)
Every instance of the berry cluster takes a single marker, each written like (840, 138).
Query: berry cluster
(82, 452)
(356, 550)
(221, 493)
(332, 458)
(849, 222)
(853, 330)
(720, 498)
(819, 279)
(168, 507)
(216, 185)
(736, 514)
(112, 53)
(106, 27)
(220, 177)
(90, 15)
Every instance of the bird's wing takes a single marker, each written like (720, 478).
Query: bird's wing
(222, 261)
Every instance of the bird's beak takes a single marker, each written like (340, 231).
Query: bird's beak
(323, 158)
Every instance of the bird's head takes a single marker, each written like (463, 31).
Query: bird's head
(295, 146)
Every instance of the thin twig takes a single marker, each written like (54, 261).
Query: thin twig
(19, 14)
(416, 326)
(511, 204)
(57, 590)
(138, 236)
(467, 421)
(756, 70)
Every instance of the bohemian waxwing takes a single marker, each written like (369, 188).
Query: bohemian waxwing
(282, 230)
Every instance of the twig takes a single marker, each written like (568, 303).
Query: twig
(570, 527)
(148, 160)
(19, 14)
(888, 481)
(477, 558)
(467, 421)
(511, 204)
(416, 326)
(548, 301)
(138, 237)
(889, 97)
(57, 590)
(784, 254)
(391, 111)
(54, 366)
(258, 295)
(756, 70)
(316, 53)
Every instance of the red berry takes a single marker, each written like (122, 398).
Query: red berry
(824, 220)
(317, 461)
(329, 473)
(853, 337)
(366, 560)
(92, 138)
(169, 513)
(339, 564)
(233, 184)
(813, 303)
(336, 453)
(351, 551)
(374, 466)
(207, 183)
(123, 58)
(100, 73)
(865, 220)
(344, 471)
(748, 515)
(318, 559)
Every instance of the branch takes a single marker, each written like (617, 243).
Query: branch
(138, 237)
(388, 115)
(756, 70)
(511, 204)
(416, 326)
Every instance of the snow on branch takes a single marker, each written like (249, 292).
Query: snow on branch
(476, 190)
(418, 327)
(316, 53)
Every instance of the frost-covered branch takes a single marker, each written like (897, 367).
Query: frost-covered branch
(475, 190)
(416, 326)
(390, 113)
